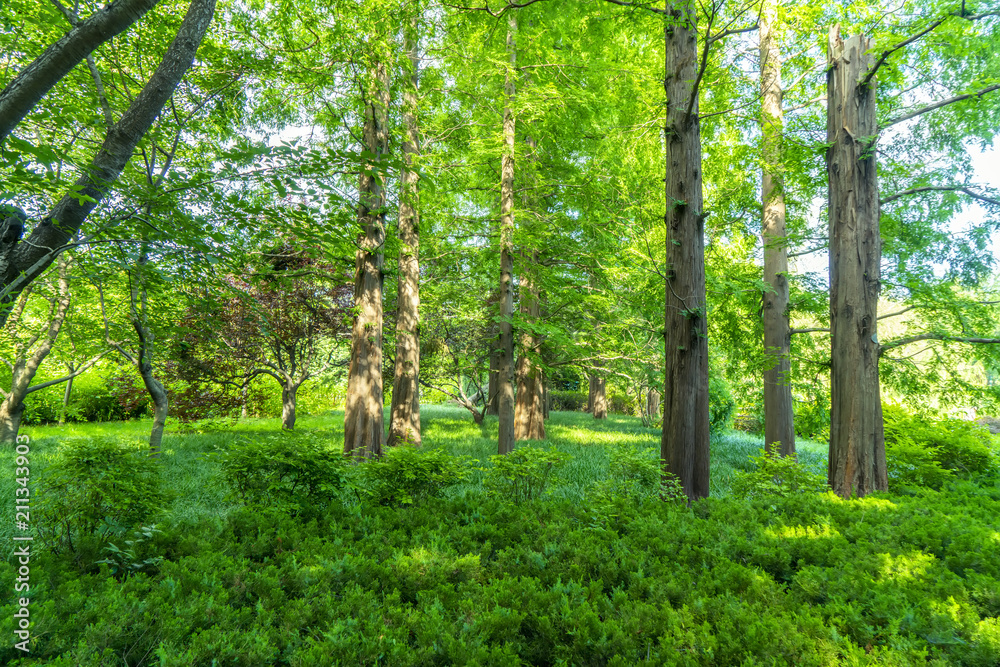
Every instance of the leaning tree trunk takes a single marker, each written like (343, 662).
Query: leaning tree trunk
(505, 393)
(363, 411)
(529, 419)
(22, 262)
(405, 419)
(857, 442)
(684, 444)
(779, 420)
(289, 393)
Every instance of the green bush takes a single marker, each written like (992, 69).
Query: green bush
(721, 404)
(776, 475)
(571, 401)
(98, 487)
(406, 473)
(812, 418)
(523, 474)
(633, 474)
(926, 452)
(621, 404)
(286, 471)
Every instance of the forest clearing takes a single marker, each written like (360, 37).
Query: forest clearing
(554, 332)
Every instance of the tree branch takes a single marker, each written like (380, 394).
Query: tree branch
(936, 336)
(940, 188)
(938, 105)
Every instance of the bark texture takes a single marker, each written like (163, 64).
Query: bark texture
(591, 392)
(653, 404)
(289, 393)
(363, 411)
(684, 444)
(405, 413)
(25, 261)
(600, 398)
(505, 393)
(20, 96)
(529, 415)
(857, 442)
(779, 419)
(493, 385)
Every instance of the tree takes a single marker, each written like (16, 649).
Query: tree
(281, 320)
(404, 425)
(684, 444)
(779, 419)
(505, 399)
(31, 346)
(363, 412)
(22, 262)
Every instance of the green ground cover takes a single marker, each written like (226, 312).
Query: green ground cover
(596, 572)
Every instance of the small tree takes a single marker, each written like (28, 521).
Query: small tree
(282, 319)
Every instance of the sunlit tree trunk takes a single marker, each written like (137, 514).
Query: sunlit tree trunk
(600, 397)
(289, 391)
(857, 442)
(405, 413)
(505, 393)
(363, 412)
(529, 418)
(779, 420)
(684, 445)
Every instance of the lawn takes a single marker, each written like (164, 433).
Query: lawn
(581, 576)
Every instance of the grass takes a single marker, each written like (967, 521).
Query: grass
(199, 496)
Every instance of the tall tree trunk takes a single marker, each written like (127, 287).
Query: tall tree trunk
(779, 419)
(363, 411)
(529, 420)
(405, 420)
(289, 391)
(857, 441)
(600, 397)
(546, 398)
(505, 393)
(684, 445)
(591, 392)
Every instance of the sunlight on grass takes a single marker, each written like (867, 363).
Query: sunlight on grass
(812, 532)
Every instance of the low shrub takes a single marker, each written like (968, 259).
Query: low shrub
(98, 488)
(570, 401)
(927, 452)
(523, 474)
(286, 471)
(776, 475)
(406, 474)
(721, 404)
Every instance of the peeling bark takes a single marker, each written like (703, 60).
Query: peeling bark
(857, 441)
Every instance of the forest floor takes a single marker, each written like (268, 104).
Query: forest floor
(581, 576)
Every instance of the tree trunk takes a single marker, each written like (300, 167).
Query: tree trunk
(546, 398)
(529, 419)
(289, 391)
(363, 411)
(493, 386)
(30, 85)
(505, 395)
(779, 419)
(29, 259)
(405, 420)
(857, 442)
(600, 398)
(159, 397)
(11, 411)
(684, 445)
(653, 404)
(67, 393)
(592, 392)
